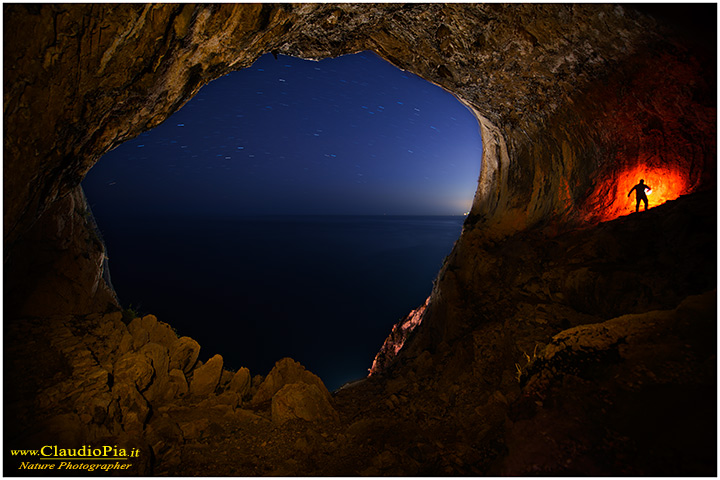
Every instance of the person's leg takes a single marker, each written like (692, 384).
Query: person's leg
(637, 205)
(645, 200)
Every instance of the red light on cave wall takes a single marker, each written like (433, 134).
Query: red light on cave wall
(665, 184)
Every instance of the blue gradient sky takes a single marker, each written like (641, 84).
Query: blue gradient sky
(351, 135)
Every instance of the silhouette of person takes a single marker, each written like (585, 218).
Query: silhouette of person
(640, 194)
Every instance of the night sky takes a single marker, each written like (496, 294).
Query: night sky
(345, 136)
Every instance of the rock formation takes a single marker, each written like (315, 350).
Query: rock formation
(301, 401)
(285, 372)
(551, 343)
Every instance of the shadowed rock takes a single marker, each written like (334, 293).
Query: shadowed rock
(134, 368)
(206, 378)
(184, 354)
(133, 407)
(301, 401)
(284, 372)
(240, 382)
(177, 383)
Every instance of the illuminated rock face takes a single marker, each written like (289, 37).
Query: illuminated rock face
(395, 341)
(575, 104)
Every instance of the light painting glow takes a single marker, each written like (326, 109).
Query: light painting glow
(664, 182)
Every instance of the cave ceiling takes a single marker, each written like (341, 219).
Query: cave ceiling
(559, 90)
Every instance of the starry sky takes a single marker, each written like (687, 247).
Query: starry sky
(352, 135)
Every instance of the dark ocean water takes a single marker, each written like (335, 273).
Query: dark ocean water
(323, 290)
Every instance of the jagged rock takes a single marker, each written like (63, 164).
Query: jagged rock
(111, 321)
(205, 379)
(163, 334)
(184, 354)
(284, 372)
(104, 336)
(148, 329)
(159, 389)
(257, 380)
(225, 378)
(177, 383)
(126, 344)
(133, 407)
(134, 368)
(240, 382)
(93, 407)
(138, 328)
(301, 400)
(158, 355)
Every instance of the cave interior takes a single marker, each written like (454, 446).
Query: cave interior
(564, 335)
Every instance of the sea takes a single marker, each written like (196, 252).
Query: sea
(323, 290)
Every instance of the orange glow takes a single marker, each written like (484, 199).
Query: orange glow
(665, 184)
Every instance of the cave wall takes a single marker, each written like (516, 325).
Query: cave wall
(569, 99)
(64, 265)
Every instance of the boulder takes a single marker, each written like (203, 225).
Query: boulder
(163, 334)
(126, 344)
(103, 335)
(133, 407)
(159, 389)
(301, 401)
(93, 405)
(139, 328)
(257, 380)
(206, 378)
(225, 378)
(240, 382)
(287, 371)
(149, 329)
(134, 368)
(158, 356)
(184, 354)
(178, 385)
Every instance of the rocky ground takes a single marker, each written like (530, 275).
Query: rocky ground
(592, 352)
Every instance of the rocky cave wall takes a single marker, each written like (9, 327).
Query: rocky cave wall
(569, 99)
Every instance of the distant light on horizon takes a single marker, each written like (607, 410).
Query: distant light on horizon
(346, 136)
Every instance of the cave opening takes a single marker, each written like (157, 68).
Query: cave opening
(291, 209)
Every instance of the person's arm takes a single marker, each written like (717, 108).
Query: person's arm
(631, 190)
